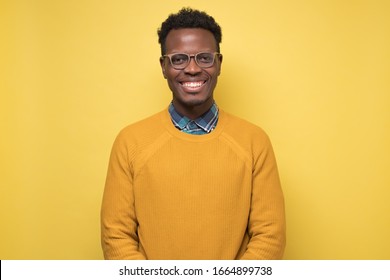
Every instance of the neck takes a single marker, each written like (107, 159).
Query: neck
(195, 111)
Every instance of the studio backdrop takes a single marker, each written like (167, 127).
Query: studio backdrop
(313, 74)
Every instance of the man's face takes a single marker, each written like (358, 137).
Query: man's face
(193, 86)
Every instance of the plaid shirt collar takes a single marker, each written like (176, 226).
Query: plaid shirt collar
(202, 125)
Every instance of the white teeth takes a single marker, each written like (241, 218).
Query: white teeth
(193, 84)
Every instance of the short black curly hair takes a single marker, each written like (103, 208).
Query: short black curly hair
(189, 18)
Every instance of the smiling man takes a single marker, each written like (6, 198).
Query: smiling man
(192, 181)
(192, 79)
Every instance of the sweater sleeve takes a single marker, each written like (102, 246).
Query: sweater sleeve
(266, 225)
(118, 220)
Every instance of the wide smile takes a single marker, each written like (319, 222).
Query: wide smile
(192, 85)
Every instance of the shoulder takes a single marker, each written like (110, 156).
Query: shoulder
(142, 131)
(240, 128)
(246, 138)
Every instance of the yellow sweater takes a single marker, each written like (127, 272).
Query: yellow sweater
(172, 195)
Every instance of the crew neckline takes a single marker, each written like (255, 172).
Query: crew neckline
(170, 127)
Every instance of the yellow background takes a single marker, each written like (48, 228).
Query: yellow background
(313, 74)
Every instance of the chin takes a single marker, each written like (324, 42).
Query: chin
(192, 102)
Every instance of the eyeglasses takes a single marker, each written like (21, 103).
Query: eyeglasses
(179, 61)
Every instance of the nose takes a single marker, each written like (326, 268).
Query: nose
(192, 67)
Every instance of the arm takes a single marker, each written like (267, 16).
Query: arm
(266, 225)
(118, 220)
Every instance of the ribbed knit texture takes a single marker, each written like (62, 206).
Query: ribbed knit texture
(171, 195)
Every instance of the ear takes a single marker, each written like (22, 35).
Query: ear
(162, 64)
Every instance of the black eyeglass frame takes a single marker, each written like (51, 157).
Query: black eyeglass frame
(189, 56)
